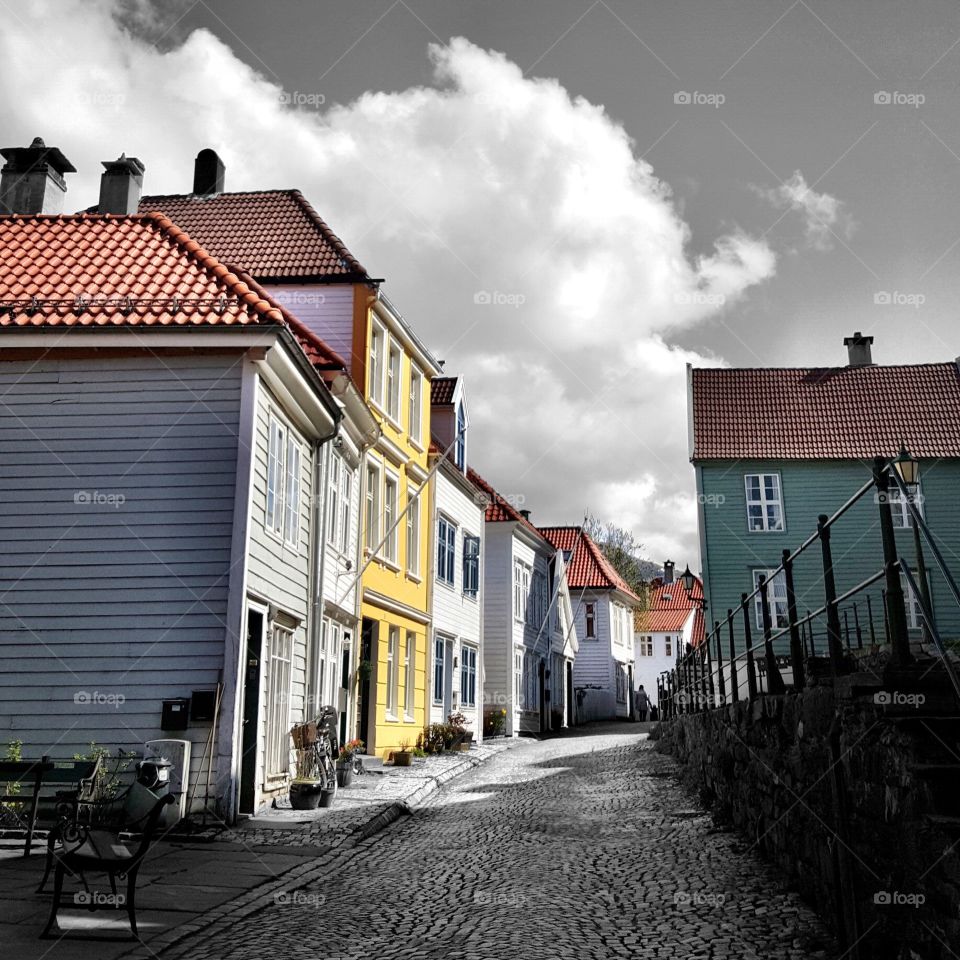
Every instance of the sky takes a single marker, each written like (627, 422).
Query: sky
(569, 201)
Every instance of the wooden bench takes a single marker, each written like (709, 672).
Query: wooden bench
(61, 784)
(115, 851)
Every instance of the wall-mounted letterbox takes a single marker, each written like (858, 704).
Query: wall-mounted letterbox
(175, 714)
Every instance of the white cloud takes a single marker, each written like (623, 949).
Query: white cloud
(484, 180)
(824, 216)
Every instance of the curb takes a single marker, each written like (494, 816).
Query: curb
(266, 893)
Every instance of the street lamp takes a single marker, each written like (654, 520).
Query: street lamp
(907, 467)
(687, 577)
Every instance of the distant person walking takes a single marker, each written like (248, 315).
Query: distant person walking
(643, 703)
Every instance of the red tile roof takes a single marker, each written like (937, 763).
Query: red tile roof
(275, 235)
(442, 390)
(587, 566)
(96, 271)
(834, 413)
(498, 508)
(670, 608)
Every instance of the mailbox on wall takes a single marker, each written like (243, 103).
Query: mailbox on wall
(175, 714)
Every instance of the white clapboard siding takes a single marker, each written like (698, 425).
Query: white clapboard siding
(498, 616)
(327, 309)
(117, 481)
(339, 583)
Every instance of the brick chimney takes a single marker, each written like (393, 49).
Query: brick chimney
(208, 173)
(120, 185)
(31, 180)
(668, 567)
(858, 350)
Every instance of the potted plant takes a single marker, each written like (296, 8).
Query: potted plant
(494, 722)
(456, 731)
(404, 756)
(347, 761)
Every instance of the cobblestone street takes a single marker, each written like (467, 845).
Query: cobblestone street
(581, 846)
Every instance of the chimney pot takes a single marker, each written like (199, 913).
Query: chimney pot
(208, 173)
(525, 514)
(120, 185)
(668, 567)
(858, 350)
(31, 180)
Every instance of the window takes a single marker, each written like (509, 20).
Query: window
(390, 488)
(439, 665)
(621, 683)
(518, 678)
(415, 408)
(284, 463)
(468, 676)
(373, 507)
(471, 565)
(377, 342)
(333, 501)
(668, 647)
(590, 616)
(393, 654)
(413, 531)
(617, 624)
(646, 646)
(446, 550)
(911, 601)
(776, 599)
(460, 451)
(346, 503)
(537, 608)
(521, 592)
(329, 658)
(899, 507)
(764, 503)
(394, 357)
(409, 674)
(530, 691)
(278, 702)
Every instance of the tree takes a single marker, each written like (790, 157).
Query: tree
(625, 554)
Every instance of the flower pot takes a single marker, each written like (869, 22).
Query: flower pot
(402, 758)
(305, 794)
(344, 774)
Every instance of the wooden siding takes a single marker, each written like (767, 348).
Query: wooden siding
(117, 602)
(498, 616)
(327, 309)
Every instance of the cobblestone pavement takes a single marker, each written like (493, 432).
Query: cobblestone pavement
(582, 846)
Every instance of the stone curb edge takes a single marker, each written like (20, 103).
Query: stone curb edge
(262, 895)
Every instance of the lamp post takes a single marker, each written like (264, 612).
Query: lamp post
(908, 470)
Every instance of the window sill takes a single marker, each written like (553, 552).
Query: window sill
(389, 564)
(416, 444)
(391, 718)
(470, 596)
(415, 577)
(445, 583)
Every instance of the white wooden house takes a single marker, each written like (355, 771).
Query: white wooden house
(456, 578)
(528, 646)
(671, 621)
(162, 432)
(603, 606)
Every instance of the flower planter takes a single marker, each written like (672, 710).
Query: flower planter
(402, 758)
(345, 774)
(305, 794)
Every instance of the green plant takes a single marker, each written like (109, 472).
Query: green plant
(110, 772)
(419, 752)
(348, 750)
(434, 737)
(494, 722)
(14, 754)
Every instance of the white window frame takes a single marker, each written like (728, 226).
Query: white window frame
(765, 502)
(378, 354)
(413, 532)
(621, 683)
(776, 599)
(646, 646)
(446, 550)
(284, 492)
(346, 506)
(391, 511)
(415, 405)
(898, 506)
(393, 388)
(439, 668)
(333, 500)
(372, 504)
(409, 674)
(279, 685)
(470, 590)
(590, 621)
(468, 675)
(393, 671)
(911, 602)
(518, 678)
(668, 646)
